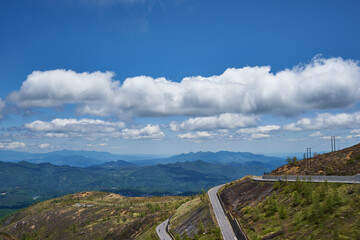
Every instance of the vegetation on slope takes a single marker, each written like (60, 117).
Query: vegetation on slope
(342, 162)
(295, 210)
(92, 215)
(194, 220)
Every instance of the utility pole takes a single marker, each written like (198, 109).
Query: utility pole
(333, 148)
(308, 157)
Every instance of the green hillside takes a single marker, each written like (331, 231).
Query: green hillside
(92, 215)
(295, 210)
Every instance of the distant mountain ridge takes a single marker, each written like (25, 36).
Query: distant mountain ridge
(222, 157)
(74, 161)
(119, 164)
(89, 158)
(69, 157)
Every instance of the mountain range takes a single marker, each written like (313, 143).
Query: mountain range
(222, 157)
(89, 158)
(69, 157)
(23, 183)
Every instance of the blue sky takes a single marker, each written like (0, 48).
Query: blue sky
(165, 77)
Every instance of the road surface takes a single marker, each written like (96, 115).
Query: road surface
(161, 230)
(224, 224)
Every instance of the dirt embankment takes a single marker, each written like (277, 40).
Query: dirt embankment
(340, 163)
(194, 219)
(243, 194)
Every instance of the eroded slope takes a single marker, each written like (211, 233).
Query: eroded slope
(195, 220)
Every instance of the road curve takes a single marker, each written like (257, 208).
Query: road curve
(161, 230)
(224, 224)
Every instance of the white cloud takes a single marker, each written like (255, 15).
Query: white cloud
(339, 137)
(245, 133)
(260, 129)
(74, 126)
(316, 134)
(223, 121)
(44, 145)
(92, 128)
(356, 131)
(260, 132)
(291, 127)
(321, 84)
(12, 145)
(326, 121)
(57, 135)
(97, 145)
(259, 136)
(147, 132)
(196, 135)
(58, 87)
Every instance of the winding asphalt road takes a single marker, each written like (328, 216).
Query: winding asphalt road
(161, 230)
(224, 224)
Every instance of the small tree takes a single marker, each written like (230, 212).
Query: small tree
(289, 160)
(294, 160)
(282, 212)
(201, 228)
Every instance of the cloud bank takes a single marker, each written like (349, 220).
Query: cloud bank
(258, 132)
(90, 128)
(321, 84)
(12, 145)
(147, 132)
(44, 145)
(75, 126)
(196, 135)
(326, 121)
(223, 121)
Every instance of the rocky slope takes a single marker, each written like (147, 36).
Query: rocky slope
(195, 220)
(342, 162)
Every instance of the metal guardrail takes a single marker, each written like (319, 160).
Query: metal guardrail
(239, 233)
(310, 178)
(168, 229)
